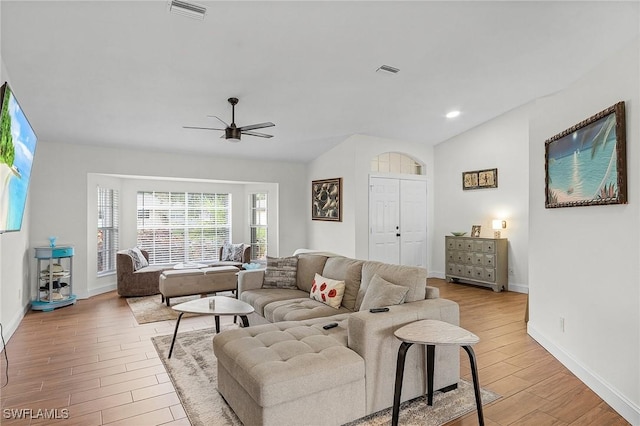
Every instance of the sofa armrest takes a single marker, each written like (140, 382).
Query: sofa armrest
(371, 336)
(250, 280)
(432, 292)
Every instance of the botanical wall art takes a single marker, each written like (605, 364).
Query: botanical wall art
(326, 199)
(586, 164)
(480, 179)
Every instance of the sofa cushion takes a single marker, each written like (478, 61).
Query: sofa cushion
(349, 270)
(308, 266)
(281, 272)
(327, 291)
(261, 297)
(382, 293)
(139, 260)
(299, 309)
(413, 277)
(281, 362)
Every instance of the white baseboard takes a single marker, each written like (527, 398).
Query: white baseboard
(97, 291)
(9, 329)
(626, 408)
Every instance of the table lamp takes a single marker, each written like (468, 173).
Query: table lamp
(497, 225)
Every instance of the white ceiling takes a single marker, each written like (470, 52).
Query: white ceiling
(130, 74)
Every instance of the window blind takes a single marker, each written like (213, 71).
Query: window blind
(107, 230)
(183, 226)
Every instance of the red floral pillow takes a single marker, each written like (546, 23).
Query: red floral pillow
(327, 291)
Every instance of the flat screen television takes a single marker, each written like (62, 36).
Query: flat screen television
(17, 147)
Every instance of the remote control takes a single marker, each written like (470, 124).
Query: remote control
(376, 310)
(331, 325)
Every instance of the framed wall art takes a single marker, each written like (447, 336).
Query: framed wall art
(475, 231)
(586, 164)
(326, 199)
(478, 179)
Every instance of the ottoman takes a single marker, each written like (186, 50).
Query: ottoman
(187, 282)
(291, 373)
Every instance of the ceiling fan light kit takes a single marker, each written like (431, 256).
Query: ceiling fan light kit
(233, 133)
(190, 10)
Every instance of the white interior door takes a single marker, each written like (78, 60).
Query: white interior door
(413, 222)
(384, 220)
(398, 221)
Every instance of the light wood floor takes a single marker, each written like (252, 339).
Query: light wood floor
(96, 361)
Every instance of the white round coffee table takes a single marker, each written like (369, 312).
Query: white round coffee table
(222, 305)
(432, 333)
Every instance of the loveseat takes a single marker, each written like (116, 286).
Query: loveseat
(290, 370)
(144, 281)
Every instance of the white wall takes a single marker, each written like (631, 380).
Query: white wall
(60, 193)
(583, 261)
(351, 160)
(503, 144)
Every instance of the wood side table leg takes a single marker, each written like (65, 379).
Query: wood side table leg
(402, 354)
(431, 359)
(476, 383)
(175, 333)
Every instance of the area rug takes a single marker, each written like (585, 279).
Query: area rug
(193, 371)
(151, 309)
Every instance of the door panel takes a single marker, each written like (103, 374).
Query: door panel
(397, 221)
(384, 245)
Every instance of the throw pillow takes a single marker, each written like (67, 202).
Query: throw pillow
(139, 261)
(281, 272)
(232, 252)
(327, 291)
(382, 293)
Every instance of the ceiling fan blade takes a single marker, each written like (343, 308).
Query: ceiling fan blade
(260, 135)
(219, 119)
(200, 128)
(256, 126)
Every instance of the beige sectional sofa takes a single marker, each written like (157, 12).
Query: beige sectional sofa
(289, 370)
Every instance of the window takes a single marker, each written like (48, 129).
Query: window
(394, 162)
(107, 230)
(258, 225)
(183, 226)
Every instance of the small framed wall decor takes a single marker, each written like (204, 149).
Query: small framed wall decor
(478, 179)
(475, 231)
(326, 199)
(586, 164)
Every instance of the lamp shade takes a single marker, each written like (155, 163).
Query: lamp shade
(498, 224)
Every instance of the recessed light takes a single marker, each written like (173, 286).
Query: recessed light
(190, 10)
(453, 114)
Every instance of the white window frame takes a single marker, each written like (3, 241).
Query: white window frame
(107, 230)
(258, 248)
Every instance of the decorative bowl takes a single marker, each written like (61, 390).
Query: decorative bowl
(458, 234)
(248, 266)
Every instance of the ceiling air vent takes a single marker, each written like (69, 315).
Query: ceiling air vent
(190, 10)
(388, 69)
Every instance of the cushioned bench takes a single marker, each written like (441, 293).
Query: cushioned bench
(291, 373)
(187, 282)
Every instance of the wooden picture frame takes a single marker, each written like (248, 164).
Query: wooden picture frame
(326, 199)
(478, 179)
(586, 164)
(475, 231)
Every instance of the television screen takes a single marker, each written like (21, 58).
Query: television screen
(17, 146)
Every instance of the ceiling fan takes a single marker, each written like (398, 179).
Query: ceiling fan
(232, 132)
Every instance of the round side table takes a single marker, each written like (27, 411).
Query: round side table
(432, 333)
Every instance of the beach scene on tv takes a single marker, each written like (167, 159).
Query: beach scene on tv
(17, 146)
(582, 165)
